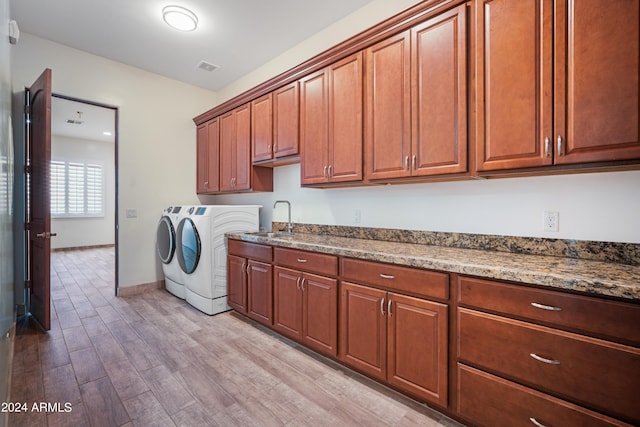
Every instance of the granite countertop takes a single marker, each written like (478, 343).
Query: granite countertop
(582, 275)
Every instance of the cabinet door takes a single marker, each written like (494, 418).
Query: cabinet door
(286, 110)
(363, 329)
(207, 149)
(227, 151)
(237, 283)
(320, 313)
(287, 301)
(242, 176)
(314, 133)
(596, 87)
(513, 83)
(260, 292)
(388, 108)
(345, 120)
(261, 128)
(439, 94)
(417, 347)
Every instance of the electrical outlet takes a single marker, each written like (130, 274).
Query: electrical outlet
(357, 216)
(551, 222)
(132, 213)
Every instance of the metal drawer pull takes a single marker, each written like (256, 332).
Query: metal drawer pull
(547, 143)
(536, 422)
(302, 260)
(382, 306)
(389, 308)
(560, 153)
(546, 307)
(543, 360)
(302, 284)
(298, 283)
(387, 276)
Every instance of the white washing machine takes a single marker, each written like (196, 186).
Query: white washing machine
(202, 251)
(166, 247)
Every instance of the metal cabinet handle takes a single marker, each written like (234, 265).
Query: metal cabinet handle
(243, 268)
(275, 147)
(406, 163)
(536, 422)
(560, 146)
(298, 283)
(302, 260)
(545, 307)
(324, 172)
(413, 162)
(302, 284)
(46, 235)
(389, 308)
(329, 172)
(387, 276)
(547, 145)
(544, 360)
(268, 148)
(382, 306)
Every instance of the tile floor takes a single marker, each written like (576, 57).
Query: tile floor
(152, 360)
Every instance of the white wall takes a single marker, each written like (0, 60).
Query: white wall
(157, 150)
(77, 232)
(597, 206)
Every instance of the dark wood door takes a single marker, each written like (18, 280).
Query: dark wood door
(417, 347)
(387, 127)
(227, 151)
(242, 178)
(260, 292)
(320, 313)
(513, 83)
(286, 113)
(597, 56)
(363, 329)
(207, 151)
(262, 128)
(237, 283)
(439, 94)
(287, 301)
(345, 120)
(39, 160)
(314, 132)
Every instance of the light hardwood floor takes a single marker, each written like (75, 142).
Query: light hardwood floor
(152, 360)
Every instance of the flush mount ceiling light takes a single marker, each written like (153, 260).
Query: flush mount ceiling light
(180, 18)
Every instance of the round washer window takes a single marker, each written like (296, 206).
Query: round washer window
(189, 241)
(165, 240)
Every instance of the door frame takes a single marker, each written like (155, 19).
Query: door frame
(115, 157)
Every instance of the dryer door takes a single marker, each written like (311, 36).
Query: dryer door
(189, 245)
(165, 240)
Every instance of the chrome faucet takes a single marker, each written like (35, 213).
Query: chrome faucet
(289, 225)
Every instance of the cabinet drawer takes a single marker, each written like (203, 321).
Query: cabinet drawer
(589, 371)
(611, 319)
(250, 250)
(307, 261)
(491, 401)
(403, 279)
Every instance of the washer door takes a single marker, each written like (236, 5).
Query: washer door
(189, 245)
(165, 240)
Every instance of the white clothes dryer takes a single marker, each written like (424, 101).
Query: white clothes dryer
(202, 251)
(166, 247)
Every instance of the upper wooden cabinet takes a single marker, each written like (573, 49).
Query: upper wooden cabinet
(556, 87)
(207, 151)
(416, 100)
(274, 124)
(331, 123)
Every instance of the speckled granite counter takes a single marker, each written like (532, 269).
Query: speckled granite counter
(575, 274)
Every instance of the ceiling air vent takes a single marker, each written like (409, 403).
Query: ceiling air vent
(207, 66)
(74, 122)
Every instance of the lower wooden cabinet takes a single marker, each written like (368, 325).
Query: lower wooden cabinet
(306, 309)
(396, 338)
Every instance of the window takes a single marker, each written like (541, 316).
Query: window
(76, 189)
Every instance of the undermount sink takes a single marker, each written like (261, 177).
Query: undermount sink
(273, 234)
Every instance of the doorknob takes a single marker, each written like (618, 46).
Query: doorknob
(46, 235)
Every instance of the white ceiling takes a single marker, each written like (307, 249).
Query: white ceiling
(236, 35)
(88, 122)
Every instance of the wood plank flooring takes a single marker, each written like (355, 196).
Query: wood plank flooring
(153, 360)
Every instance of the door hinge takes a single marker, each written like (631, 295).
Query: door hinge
(27, 168)
(27, 284)
(27, 109)
(27, 226)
